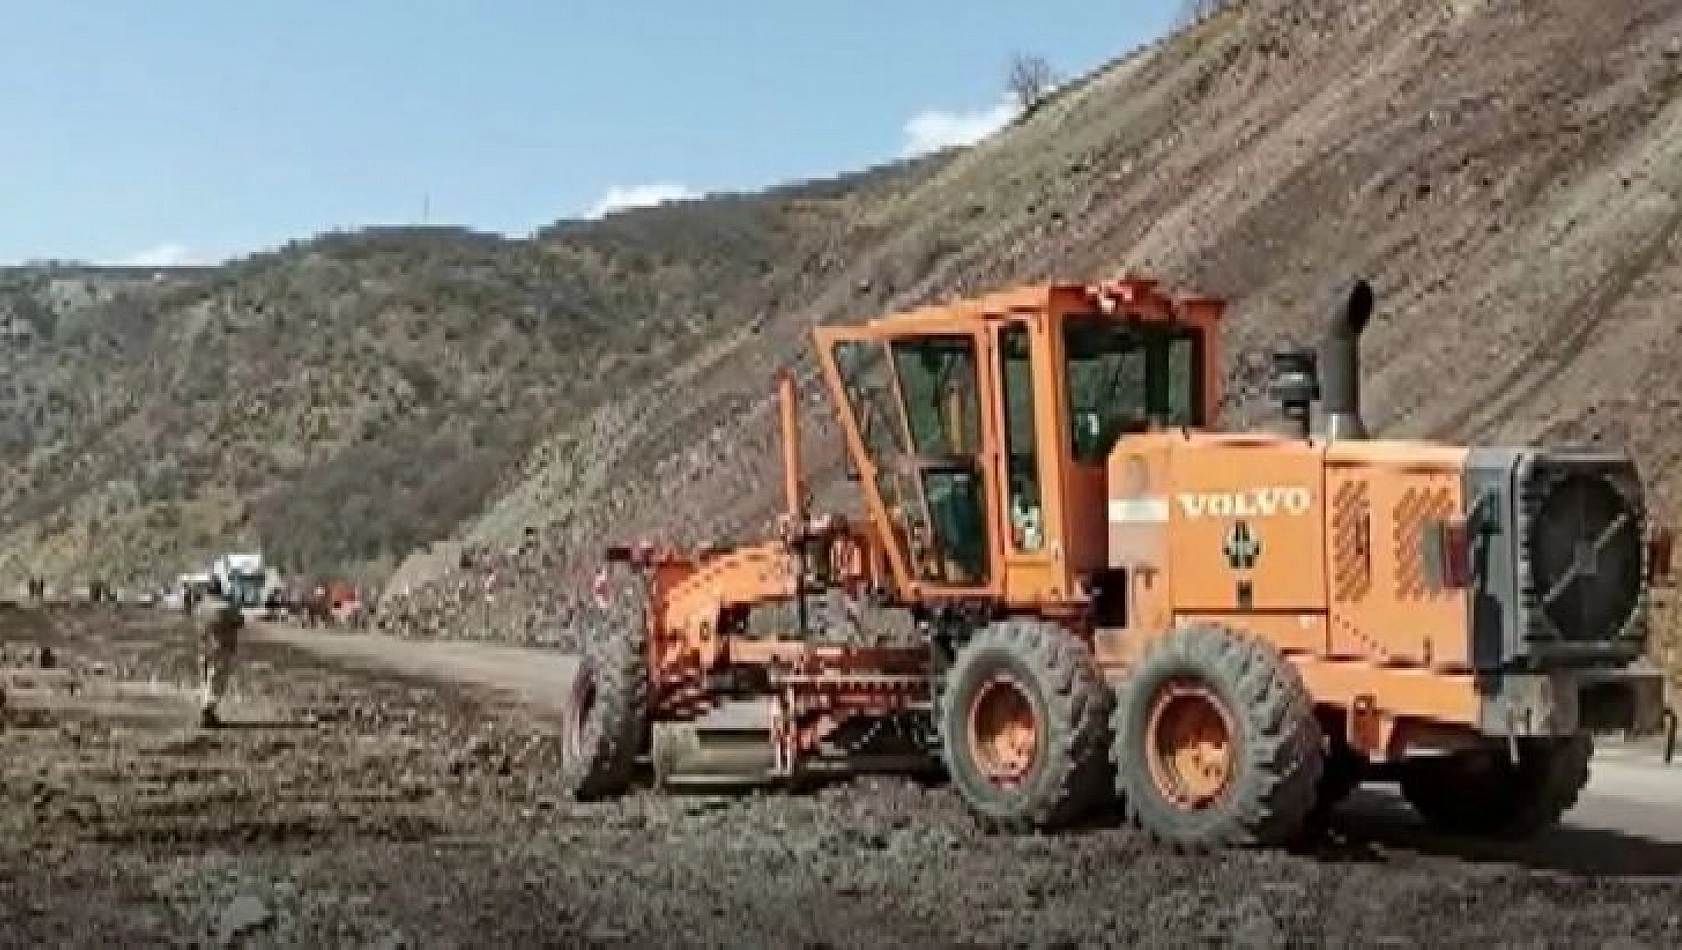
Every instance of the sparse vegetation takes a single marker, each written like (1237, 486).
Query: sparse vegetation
(1030, 80)
(350, 399)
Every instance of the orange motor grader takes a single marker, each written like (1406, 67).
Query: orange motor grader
(1225, 633)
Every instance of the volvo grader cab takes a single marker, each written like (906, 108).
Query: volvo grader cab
(1223, 633)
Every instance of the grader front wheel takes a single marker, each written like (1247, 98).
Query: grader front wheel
(1215, 742)
(1022, 722)
(1003, 733)
(605, 725)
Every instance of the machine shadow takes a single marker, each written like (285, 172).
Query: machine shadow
(1372, 825)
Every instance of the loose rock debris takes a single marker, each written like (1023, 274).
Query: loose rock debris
(370, 811)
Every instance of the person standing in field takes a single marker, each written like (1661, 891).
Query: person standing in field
(220, 621)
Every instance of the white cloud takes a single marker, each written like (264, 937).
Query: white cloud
(639, 196)
(163, 255)
(935, 129)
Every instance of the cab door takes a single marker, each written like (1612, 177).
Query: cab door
(912, 408)
(1031, 462)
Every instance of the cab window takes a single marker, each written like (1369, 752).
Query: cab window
(938, 381)
(1126, 376)
(916, 402)
(1022, 464)
(937, 376)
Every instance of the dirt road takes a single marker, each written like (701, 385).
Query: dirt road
(1631, 792)
(538, 677)
(365, 802)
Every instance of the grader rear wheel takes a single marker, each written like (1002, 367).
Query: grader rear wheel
(605, 726)
(1487, 794)
(1215, 742)
(1022, 721)
(1191, 755)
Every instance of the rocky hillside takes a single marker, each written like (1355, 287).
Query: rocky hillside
(346, 400)
(1506, 173)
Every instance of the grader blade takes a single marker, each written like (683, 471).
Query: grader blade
(728, 747)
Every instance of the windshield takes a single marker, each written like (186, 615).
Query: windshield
(919, 413)
(1126, 376)
(247, 589)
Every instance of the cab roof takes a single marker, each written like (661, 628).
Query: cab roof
(1137, 296)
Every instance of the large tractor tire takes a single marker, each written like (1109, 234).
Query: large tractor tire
(605, 725)
(1023, 722)
(1486, 794)
(1342, 774)
(1215, 742)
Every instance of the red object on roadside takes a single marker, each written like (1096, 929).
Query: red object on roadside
(599, 589)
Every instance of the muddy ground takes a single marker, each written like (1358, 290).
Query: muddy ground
(357, 811)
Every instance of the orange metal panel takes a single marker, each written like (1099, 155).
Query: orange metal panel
(1137, 519)
(1425, 694)
(1400, 456)
(1300, 634)
(1382, 603)
(1303, 635)
(1449, 698)
(1247, 514)
(788, 404)
(1032, 298)
(690, 608)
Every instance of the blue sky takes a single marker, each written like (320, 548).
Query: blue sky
(198, 129)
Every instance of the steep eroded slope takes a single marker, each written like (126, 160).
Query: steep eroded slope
(1504, 172)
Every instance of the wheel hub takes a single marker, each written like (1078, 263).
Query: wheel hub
(1190, 745)
(1003, 731)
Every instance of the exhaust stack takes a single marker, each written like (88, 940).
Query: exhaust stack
(1340, 365)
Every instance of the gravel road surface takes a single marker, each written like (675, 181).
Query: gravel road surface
(401, 794)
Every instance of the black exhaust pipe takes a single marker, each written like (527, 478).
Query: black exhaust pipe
(1340, 365)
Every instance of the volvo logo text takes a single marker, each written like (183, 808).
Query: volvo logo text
(1255, 503)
